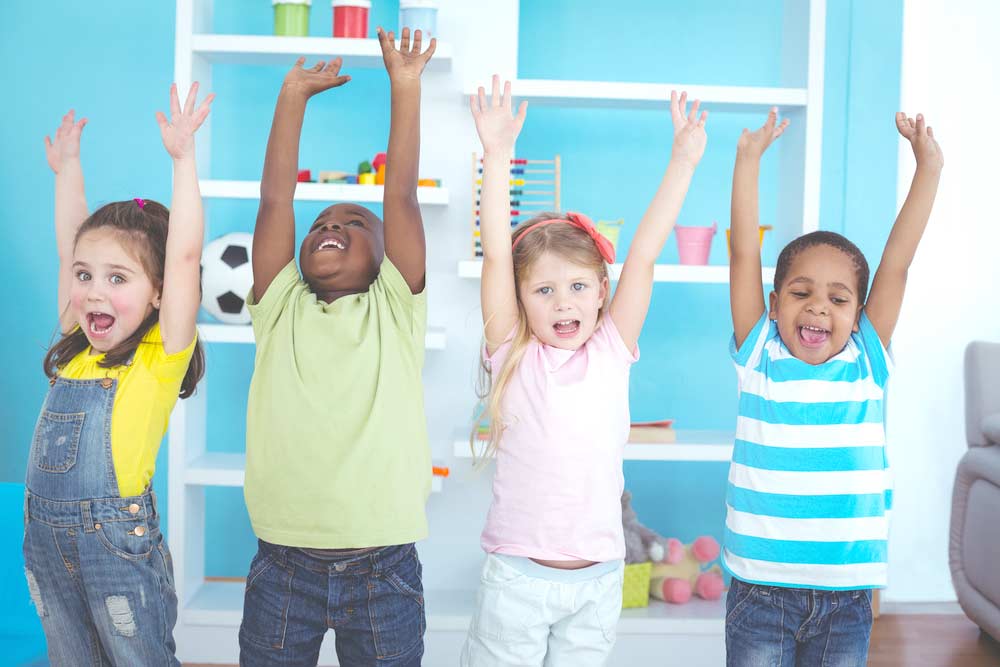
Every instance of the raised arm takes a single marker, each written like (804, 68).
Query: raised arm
(274, 232)
(63, 156)
(498, 130)
(181, 292)
(635, 287)
(886, 295)
(746, 288)
(404, 228)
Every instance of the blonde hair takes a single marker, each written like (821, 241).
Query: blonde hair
(566, 241)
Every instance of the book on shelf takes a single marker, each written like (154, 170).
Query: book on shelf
(653, 432)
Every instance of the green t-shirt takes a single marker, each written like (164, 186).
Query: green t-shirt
(337, 451)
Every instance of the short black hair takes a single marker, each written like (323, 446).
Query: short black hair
(832, 239)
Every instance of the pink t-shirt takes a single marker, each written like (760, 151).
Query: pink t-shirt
(558, 482)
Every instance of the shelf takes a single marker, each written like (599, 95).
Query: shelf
(273, 50)
(221, 603)
(662, 273)
(226, 469)
(325, 192)
(649, 95)
(435, 339)
(690, 446)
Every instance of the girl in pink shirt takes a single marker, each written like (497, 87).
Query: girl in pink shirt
(556, 358)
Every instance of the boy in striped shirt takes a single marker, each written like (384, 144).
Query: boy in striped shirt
(809, 493)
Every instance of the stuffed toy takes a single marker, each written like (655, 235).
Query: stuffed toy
(643, 544)
(676, 580)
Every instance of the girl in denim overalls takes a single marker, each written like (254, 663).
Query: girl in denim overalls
(98, 570)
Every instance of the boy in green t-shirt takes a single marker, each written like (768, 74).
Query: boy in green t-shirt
(338, 464)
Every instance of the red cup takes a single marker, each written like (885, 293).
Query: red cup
(350, 18)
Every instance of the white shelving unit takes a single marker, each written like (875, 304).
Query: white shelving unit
(662, 273)
(330, 192)
(210, 610)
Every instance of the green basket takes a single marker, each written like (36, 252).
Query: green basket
(636, 590)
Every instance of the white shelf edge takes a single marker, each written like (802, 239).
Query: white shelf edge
(691, 445)
(628, 94)
(436, 337)
(323, 192)
(221, 603)
(279, 50)
(227, 469)
(662, 273)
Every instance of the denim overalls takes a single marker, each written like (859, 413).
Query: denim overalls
(99, 572)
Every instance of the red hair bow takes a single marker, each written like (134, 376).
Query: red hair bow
(580, 221)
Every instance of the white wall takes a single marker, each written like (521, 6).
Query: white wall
(950, 73)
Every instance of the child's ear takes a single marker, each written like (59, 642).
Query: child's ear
(605, 286)
(772, 312)
(156, 299)
(857, 320)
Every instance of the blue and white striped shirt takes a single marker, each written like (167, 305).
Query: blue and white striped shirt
(809, 493)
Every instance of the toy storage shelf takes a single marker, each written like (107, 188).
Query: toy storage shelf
(274, 50)
(330, 192)
(227, 469)
(690, 446)
(662, 273)
(624, 95)
(435, 339)
(221, 603)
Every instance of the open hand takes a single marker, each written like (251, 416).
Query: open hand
(689, 129)
(66, 146)
(756, 142)
(921, 138)
(497, 126)
(406, 62)
(178, 133)
(321, 76)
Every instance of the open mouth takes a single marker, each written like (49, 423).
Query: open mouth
(331, 241)
(99, 324)
(813, 337)
(566, 328)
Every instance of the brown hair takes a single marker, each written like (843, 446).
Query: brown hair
(832, 239)
(143, 231)
(567, 241)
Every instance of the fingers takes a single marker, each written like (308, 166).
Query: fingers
(482, 99)
(474, 104)
(333, 67)
(704, 117)
(175, 105)
(161, 120)
(404, 42)
(191, 97)
(417, 37)
(930, 132)
(495, 93)
(204, 108)
(674, 110)
(48, 142)
(921, 125)
(772, 119)
(299, 62)
(383, 40)
(778, 131)
(692, 117)
(505, 101)
(317, 67)
(904, 125)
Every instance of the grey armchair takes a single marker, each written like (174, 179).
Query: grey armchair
(974, 549)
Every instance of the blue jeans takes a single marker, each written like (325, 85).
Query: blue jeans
(769, 626)
(373, 602)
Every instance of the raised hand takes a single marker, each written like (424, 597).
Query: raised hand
(178, 133)
(406, 62)
(756, 142)
(689, 129)
(921, 137)
(321, 76)
(66, 146)
(497, 126)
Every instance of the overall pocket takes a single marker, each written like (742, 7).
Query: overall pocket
(57, 438)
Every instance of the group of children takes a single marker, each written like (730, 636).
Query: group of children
(338, 462)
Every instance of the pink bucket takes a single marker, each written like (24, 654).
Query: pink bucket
(694, 243)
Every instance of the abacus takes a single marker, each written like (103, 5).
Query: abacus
(535, 186)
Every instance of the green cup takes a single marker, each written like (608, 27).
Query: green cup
(291, 17)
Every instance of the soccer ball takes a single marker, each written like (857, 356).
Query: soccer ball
(226, 277)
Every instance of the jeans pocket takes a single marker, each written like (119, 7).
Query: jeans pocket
(396, 610)
(266, 602)
(608, 605)
(738, 600)
(57, 438)
(129, 540)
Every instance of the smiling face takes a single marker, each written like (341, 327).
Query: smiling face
(817, 305)
(342, 251)
(111, 294)
(562, 300)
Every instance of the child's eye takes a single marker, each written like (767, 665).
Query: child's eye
(577, 287)
(82, 276)
(544, 290)
(356, 223)
(839, 300)
(117, 279)
(800, 295)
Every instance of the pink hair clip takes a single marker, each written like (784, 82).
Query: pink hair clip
(140, 202)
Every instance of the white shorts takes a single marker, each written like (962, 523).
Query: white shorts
(529, 614)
